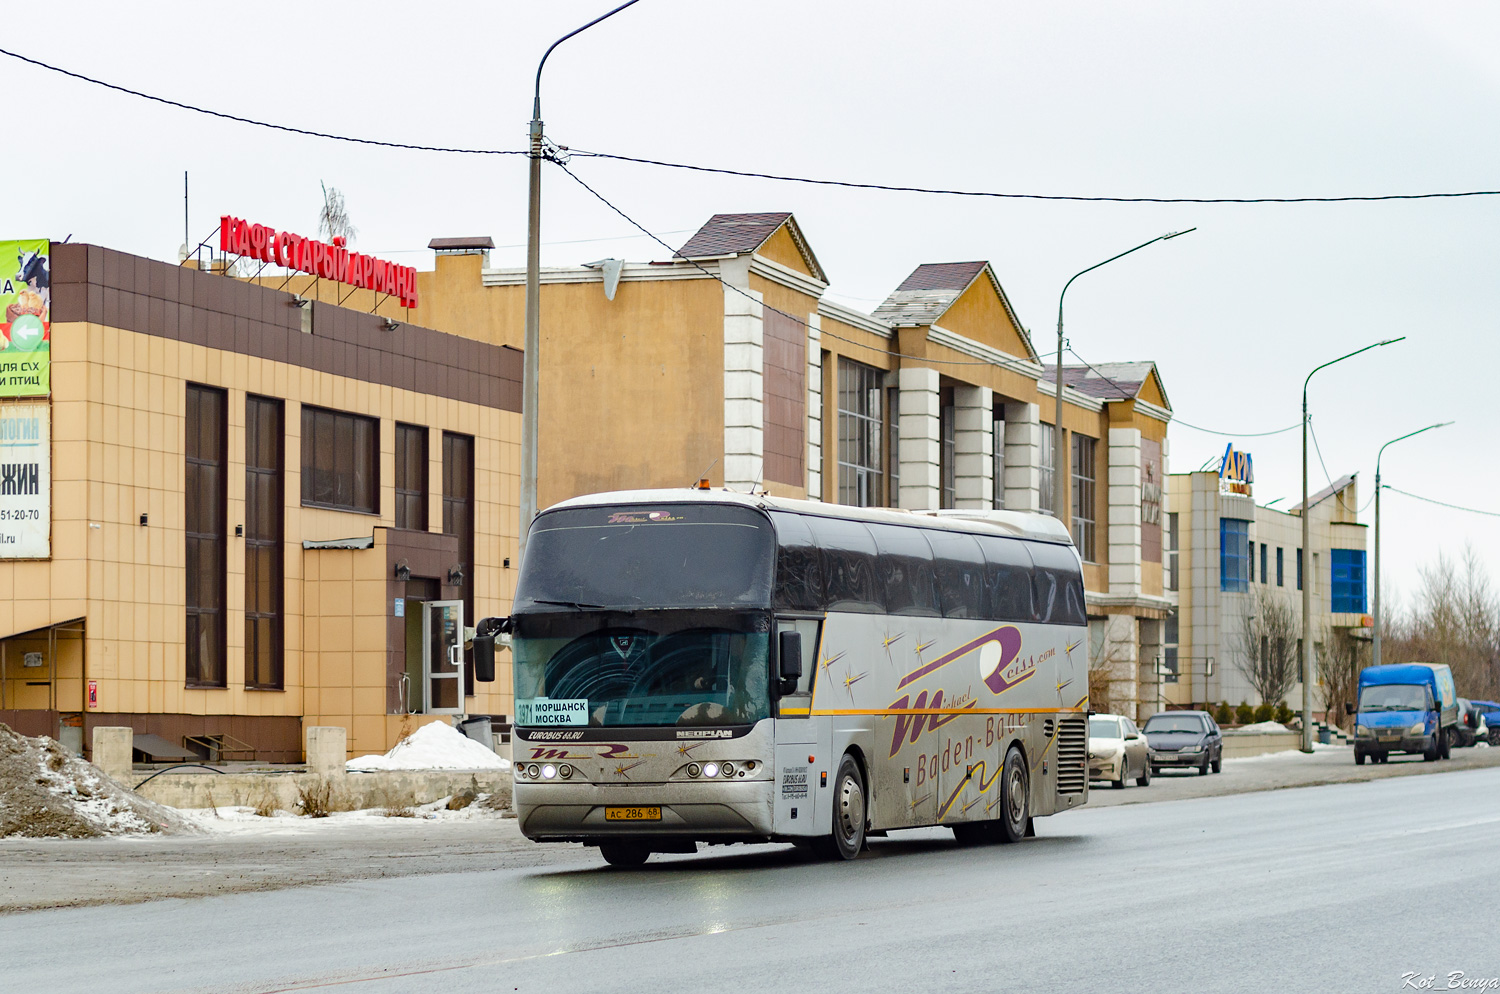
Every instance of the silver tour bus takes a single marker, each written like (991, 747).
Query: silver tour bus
(705, 666)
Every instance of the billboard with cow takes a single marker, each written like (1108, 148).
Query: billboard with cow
(26, 331)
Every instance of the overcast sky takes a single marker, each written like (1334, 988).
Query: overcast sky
(1162, 99)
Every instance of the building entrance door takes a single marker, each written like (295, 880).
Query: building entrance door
(443, 656)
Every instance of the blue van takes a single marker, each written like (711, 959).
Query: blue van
(1405, 707)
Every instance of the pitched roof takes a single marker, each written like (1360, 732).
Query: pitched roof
(1322, 495)
(1105, 380)
(741, 234)
(929, 291)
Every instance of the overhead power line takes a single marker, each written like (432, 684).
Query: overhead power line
(1236, 434)
(1455, 507)
(744, 173)
(252, 121)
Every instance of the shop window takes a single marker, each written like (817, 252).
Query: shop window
(264, 534)
(1280, 563)
(340, 460)
(1045, 478)
(1234, 555)
(861, 425)
(411, 477)
(206, 444)
(1083, 496)
(458, 519)
(948, 451)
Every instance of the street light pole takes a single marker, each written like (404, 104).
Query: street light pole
(1059, 494)
(529, 366)
(1306, 556)
(1375, 641)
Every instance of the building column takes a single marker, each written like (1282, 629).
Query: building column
(921, 439)
(814, 408)
(974, 453)
(1121, 658)
(744, 390)
(1124, 511)
(1023, 455)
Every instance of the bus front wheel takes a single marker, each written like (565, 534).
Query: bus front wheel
(1015, 798)
(849, 813)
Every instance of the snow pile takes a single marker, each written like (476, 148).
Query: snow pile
(438, 746)
(1263, 726)
(46, 792)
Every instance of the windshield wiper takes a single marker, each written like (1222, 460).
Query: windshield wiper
(580, 605)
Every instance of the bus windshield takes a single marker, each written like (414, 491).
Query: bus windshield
(1394, 697)
(647, 557)
(658, 668)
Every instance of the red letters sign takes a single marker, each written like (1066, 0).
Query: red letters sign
(308, 255)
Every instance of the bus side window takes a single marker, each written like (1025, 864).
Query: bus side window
(960, 574)
(905, 570)
(799, 565)
(1059, 584)
(809, 629)
(1007, 579)
(849, 567)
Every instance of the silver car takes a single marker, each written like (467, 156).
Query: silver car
(1118, 751)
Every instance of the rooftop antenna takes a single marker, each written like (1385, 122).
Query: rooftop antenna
(702, 483)
(758, 477)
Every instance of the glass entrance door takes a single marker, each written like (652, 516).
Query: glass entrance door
(443, 656)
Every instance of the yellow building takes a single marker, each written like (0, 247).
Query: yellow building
(257, 502)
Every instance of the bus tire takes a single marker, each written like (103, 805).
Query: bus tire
(1015, 798)
(624, 853)
(849, 813)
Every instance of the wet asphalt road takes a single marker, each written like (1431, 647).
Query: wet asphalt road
(1345, 887)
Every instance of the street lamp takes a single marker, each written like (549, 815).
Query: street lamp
(529, 369)
(1306, 565)
(1375, 642)
(1059, 494)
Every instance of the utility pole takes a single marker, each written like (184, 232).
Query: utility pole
(1379, 618)
(530, 370)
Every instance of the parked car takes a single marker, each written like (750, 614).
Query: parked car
(1185, 739)
(1118, 751)
(1490, 712)
(1464, 733)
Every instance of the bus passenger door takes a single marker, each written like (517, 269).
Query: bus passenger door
(796, 736)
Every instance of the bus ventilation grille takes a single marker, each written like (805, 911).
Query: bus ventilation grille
(1072, 757)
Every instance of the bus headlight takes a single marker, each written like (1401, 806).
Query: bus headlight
(710, 769)
(532, 771)
(728, 769)
(549, 772)
(694, 769)
(565, 771)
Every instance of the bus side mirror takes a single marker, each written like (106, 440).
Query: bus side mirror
(1348, 708)
(484, 658)
(789, 656)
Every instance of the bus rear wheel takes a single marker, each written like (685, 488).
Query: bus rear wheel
(1015, 798)
(849, 813)
(624, 853)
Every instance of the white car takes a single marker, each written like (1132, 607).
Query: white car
(1118, 751)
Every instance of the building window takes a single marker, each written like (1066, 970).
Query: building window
(340, 460)
(1083, 496)
(411, 477)
(1044, 490)
(458, 519)
(1280, 563)
(948, 451)
(893, 447)
(1171, 550)
(1234, 555)
(1263, 563)
(206, 443)
(1299, 569)
(860, 434)
(264, 534)
(997, 449)
(1252, 562)
(1169, 649)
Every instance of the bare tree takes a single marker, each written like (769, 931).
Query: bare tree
(333, 219)
(1266, 650)
(1339, 664)
(1455, 620)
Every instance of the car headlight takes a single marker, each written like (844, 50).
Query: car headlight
(1418, 728)
(1360, 731)
(1191, 749)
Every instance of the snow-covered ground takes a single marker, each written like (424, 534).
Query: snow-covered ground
(438, 746)
(244, 820)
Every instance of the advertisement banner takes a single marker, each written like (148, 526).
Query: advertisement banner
(26, 331)
(25, 481)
